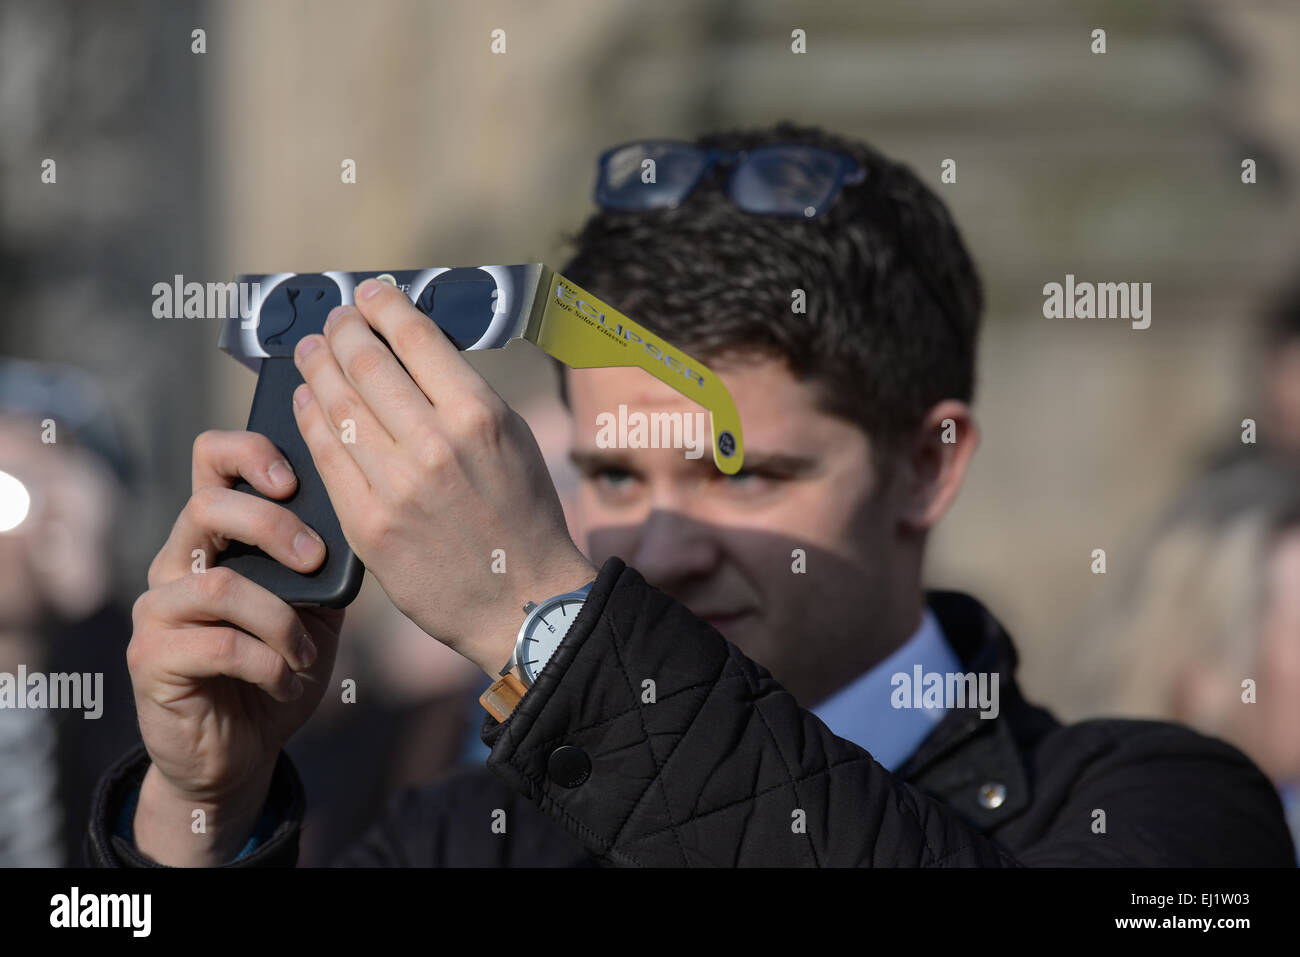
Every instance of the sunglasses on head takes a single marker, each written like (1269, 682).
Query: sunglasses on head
(793, 179)
(778, 180)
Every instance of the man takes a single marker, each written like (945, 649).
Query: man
(745, 710)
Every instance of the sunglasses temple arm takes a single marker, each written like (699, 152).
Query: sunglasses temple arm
(575, 327)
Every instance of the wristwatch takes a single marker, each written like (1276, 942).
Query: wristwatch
(544, 627)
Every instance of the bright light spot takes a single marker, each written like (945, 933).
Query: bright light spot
(14, 502)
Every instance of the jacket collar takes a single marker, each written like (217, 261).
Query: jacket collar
(971, 763)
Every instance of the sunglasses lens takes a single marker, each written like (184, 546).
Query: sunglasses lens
(648, 175)
(786, 180)
(462, 302)
(296, 308)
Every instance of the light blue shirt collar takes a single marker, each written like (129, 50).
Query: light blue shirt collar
(862, 711)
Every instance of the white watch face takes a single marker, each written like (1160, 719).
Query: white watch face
(543, 634)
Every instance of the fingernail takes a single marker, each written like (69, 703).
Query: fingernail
(295, 688)
(330, 319)
(305, 346)
(280, 473)
(369, 288)
(306, 651)
(302, 395)
(307, 546)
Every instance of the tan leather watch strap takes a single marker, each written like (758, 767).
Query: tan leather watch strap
(504, 696)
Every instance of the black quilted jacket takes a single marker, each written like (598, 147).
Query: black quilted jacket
(715, 771)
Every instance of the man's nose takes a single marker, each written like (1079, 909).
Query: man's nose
(673, 547)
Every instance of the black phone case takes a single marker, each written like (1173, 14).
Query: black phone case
(336, 582)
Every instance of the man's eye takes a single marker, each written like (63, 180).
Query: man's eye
(746, 479)
(614, 477)
(614, 486)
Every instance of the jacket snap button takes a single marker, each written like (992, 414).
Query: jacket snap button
(568, 766)
(992, 795)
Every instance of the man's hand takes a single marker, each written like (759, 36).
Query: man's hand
(215, 703)
(431, 473)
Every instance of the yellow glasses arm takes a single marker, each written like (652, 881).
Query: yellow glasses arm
(583, 332)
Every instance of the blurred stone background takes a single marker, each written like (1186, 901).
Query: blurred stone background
(1116, 167)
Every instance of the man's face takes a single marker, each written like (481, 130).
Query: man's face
(790, 560)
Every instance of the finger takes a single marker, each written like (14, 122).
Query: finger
(434, 363)
(222, 456)
(221, 595)
(352, 427)
(209, 652)
(372, 369)
(344, 479)
(214, 516)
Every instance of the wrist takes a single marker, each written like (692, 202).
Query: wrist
(497, 646)
(170, 829)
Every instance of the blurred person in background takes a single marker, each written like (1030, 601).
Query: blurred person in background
(1280, 426)
(59, 504)
(1275, 394)
(1208, 632)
